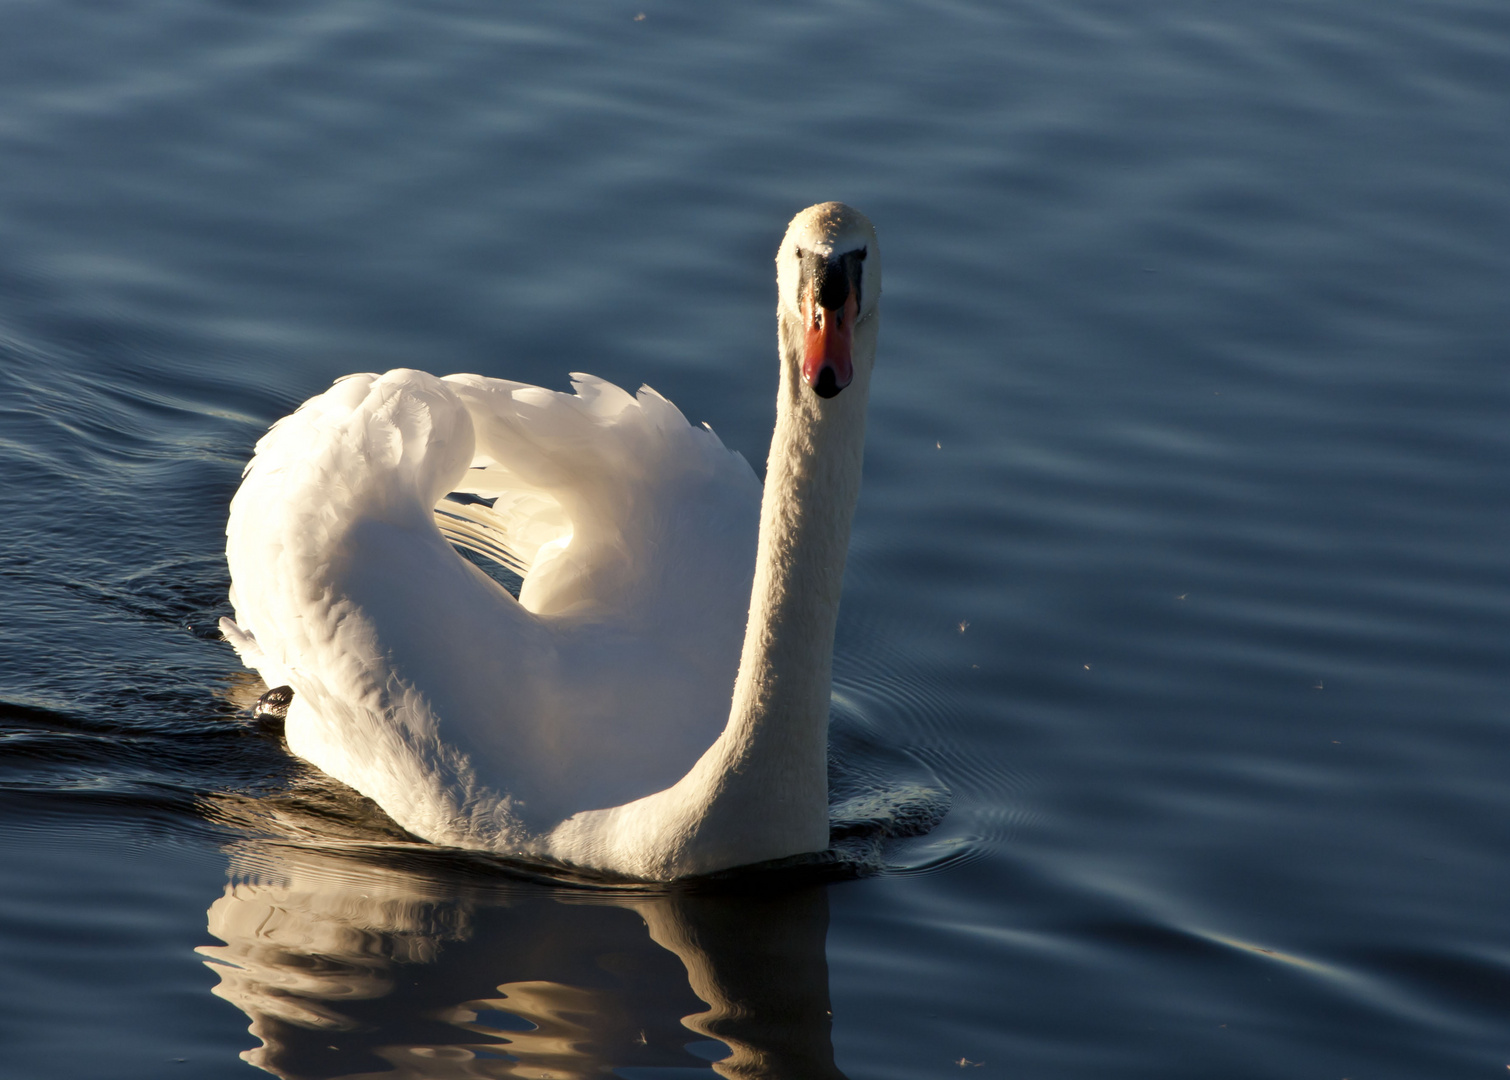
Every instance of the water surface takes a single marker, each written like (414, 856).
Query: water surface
(1180, 560)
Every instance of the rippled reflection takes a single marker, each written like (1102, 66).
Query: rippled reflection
(351, 968)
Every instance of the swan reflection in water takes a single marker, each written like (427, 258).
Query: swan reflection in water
(351, 966)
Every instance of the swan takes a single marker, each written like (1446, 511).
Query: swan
(654, 704)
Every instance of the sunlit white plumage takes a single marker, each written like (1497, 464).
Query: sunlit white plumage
(638, 709)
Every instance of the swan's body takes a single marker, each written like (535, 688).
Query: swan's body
(655, 702)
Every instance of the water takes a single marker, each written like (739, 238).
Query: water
(1180, 561)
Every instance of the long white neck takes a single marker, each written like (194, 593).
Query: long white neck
(769, 797)
(760, 791)
(779, 716)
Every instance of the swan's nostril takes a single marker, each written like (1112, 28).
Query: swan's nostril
(827, 385)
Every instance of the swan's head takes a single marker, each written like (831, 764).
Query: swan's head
(828, 275)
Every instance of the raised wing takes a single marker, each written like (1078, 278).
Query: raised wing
(606, 502)
(472, 717)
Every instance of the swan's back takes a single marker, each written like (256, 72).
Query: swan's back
(472, 717)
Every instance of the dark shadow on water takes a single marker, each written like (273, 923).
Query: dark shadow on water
(353, 966)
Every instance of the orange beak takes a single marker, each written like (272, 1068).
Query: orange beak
(826, 364)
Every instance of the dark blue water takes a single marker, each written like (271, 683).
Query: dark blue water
(1183, 559)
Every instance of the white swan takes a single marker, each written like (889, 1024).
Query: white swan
(655, 702)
